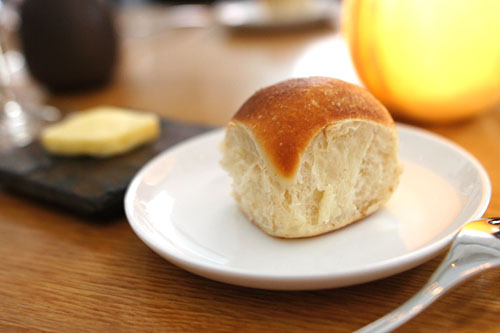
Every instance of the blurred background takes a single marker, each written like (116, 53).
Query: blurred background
(193, 61)
(198, 61)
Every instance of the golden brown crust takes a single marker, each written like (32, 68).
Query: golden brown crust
(284, 118)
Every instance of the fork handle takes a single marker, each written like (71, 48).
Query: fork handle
(465, 259)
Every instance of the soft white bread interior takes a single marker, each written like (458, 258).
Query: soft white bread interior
(308, 156)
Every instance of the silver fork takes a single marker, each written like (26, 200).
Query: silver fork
(475, 249)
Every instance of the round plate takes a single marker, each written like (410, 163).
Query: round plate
(180, 205)
(238, 14)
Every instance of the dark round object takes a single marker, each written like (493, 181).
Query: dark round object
(69, 44)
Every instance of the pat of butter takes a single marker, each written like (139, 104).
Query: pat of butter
(101, 132)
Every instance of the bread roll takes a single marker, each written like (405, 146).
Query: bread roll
(311, 155)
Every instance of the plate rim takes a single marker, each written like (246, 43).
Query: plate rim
(376, 270)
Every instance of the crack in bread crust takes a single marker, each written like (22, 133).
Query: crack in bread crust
(285, 117)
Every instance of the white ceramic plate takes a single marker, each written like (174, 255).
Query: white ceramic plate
(180, 205)
(256, 15)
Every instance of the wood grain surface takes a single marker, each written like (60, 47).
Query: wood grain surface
(62, 273)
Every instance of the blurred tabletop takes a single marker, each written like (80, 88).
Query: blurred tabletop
(60, 272)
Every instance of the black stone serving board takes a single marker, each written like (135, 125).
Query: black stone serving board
(93, 187)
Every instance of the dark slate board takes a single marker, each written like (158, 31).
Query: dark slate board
(88, 186)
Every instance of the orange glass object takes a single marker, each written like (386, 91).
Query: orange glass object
(434, 61)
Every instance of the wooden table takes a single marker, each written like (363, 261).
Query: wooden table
(62, 273)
